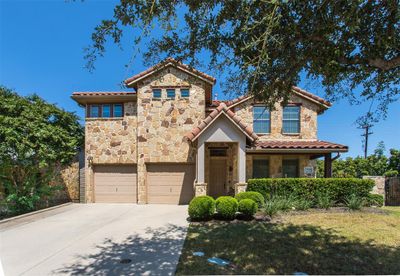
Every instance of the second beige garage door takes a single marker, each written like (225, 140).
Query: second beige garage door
(170, 183)
(115, 183)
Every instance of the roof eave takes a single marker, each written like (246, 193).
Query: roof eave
(132, 83)
(91, 99)
(255, 150)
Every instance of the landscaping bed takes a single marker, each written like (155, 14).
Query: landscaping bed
(334, 241)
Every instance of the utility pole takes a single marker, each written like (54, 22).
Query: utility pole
(366, 134)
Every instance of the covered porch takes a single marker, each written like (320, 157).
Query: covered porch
(291, 158)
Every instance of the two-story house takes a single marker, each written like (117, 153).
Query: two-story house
(167, 140)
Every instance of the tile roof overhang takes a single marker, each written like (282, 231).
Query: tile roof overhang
(103, 97)
(132, 81)
(297, 146)
(324, 104)
(221, 110)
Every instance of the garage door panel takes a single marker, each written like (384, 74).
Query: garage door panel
(115, 189)
(163, 190)
(113, 199)
(115, 183)
(165, 200)
(170, 183)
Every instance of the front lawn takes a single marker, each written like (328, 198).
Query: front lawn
(311, 242)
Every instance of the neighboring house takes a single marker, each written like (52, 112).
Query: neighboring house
(167, 140)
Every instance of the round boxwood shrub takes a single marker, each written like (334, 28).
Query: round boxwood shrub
(201, 208)
(255, 196)
(248, 207)
(227, 207)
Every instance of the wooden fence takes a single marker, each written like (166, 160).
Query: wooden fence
(392, 191)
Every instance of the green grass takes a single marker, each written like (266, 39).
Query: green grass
(313, 242)
(393, 210)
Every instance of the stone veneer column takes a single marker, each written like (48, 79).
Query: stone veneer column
(200, 189)
(141, 161)
(240, 187)
(89, 183)
(141, 182)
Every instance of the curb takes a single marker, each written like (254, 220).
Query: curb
(34, 212)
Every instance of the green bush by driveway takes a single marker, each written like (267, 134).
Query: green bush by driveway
(201, 208)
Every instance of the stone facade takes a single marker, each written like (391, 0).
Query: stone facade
(112, 140)
(308, 119)
(153, 130)
(70, 178)
(163, 123)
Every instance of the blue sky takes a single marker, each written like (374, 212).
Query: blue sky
(41, 51)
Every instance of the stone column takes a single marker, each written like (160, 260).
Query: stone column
(240, 187)
(242, 162)
(200, 189)
(200, 162)
(89, 183)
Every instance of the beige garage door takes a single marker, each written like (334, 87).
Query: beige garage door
(115, 184)
(170, 183)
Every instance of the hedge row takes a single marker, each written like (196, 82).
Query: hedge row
(338, 189)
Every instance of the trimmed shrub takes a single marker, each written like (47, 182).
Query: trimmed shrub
(227, 207)
(247, 207)
(309, 188)
(354, 202)
(374, 200)
(255, 196)
(201, 208)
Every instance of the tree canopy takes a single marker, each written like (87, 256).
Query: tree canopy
(375, 164)
(36, 138)
(264, 45)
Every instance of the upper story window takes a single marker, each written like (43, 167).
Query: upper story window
(261, 119)
(291, 120)
(157, 93)
(185, 93)
(171, 93)
(290, 167)
(118, 110)
(94, 111)
(260, 168)
(105, 110)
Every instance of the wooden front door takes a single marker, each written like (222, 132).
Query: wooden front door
(217, 177)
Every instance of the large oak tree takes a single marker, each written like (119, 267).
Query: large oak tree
(264, 45)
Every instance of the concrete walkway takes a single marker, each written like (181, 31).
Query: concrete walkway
(101, 239)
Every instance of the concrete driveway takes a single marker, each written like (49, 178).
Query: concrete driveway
(101, 239)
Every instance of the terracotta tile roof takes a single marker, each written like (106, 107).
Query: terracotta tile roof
(178, 64)
(280, 144)
(296, 89)
(222, 108)
(104, 93)
(312, 96)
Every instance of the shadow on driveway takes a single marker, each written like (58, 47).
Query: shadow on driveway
(154, 252)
